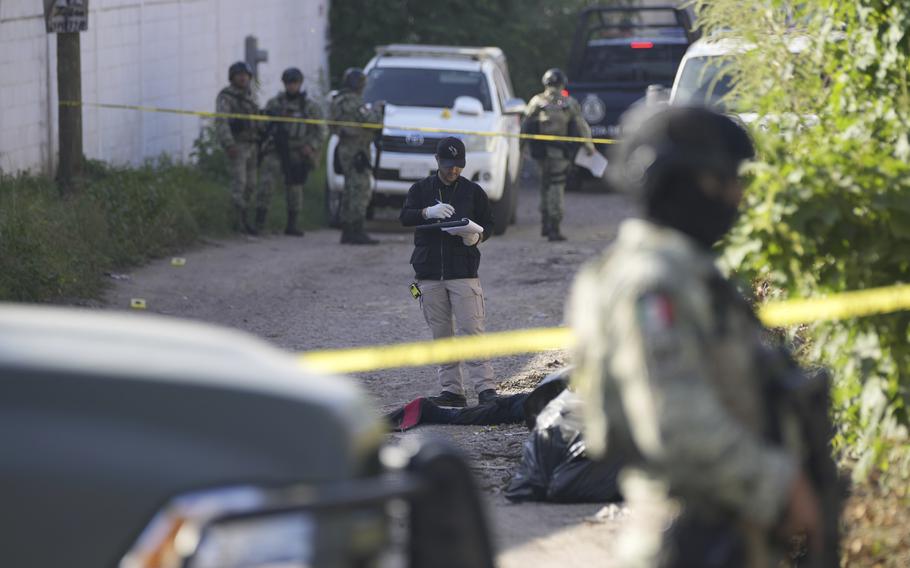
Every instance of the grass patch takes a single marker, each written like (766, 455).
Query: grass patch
(55, 248)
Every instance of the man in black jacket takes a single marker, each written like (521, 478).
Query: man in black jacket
(445, 264)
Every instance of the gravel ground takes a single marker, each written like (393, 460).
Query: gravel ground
(313, 293)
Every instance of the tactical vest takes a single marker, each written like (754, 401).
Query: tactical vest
(554, 117)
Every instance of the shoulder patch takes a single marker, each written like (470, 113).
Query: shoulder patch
(655, 312)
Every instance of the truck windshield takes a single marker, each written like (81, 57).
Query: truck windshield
(435, 88)
(702, 81)
(631, 60)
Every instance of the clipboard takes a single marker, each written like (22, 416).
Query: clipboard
(446, 224)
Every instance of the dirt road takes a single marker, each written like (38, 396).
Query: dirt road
(313, 293)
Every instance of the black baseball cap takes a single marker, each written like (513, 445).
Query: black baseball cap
(450, 152)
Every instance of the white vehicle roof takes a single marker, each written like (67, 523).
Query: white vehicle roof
(440, 51)
(426, 63)
(714, 47)
(438, 57)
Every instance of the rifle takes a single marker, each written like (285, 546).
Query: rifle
(806, 396)
(269, 132)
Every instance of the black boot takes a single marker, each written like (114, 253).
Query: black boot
(359, 236)
(261, 215)
(544, 227)
(554, 235)
(291, 228)
(346, 234)
(240, 225)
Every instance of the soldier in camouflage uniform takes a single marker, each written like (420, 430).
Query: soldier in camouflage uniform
(667, 359)
(238, 137)
(354, 155)
(553, 113)
(290, 150)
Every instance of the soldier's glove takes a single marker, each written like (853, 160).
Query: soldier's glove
(439, 211)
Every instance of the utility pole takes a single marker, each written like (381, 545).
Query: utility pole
(69, 119)
(67, 18)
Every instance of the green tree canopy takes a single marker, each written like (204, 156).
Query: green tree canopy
(534, 34)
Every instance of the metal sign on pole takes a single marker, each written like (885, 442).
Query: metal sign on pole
(66, 16)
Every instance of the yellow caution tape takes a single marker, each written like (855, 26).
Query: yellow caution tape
(449, 350)
(342, 123)
(842, 306)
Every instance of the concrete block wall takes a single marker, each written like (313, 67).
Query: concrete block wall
(160, 53)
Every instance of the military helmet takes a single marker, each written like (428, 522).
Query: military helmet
(292, 75)
(354, 78)
(239, 67)
(554, 78)
(673, 141)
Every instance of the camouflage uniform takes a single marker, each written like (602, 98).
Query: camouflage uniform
(666, 359)
(354, 155)
(243, 135)
(298, 135)
(556, 115)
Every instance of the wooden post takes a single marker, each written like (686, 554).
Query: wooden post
(69, 88)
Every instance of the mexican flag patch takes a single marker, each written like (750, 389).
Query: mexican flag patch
(655, 313)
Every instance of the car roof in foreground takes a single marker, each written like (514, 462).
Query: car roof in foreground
(126, 346)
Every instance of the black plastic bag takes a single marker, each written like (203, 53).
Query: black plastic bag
(554, 465)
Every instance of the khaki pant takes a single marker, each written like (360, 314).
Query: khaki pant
(441, 300)
(243, 174)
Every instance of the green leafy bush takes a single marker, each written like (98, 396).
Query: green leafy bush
(56, 248)
(53, 247)
(828, 207)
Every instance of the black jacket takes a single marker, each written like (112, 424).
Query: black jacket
(437, 254)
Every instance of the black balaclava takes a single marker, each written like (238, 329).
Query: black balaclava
(668, 157)
(681, 204)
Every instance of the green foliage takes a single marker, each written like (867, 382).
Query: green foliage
(534, 34)
(58, 248)
(828, 208)
(54, 248)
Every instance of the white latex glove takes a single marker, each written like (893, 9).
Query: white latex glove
(468, 236)
(439, 211)
(470, 239)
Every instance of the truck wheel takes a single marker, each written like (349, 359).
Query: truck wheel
(332, 206)
(502, 209)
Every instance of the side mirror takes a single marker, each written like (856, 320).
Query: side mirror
(468, 105)
(514, 106)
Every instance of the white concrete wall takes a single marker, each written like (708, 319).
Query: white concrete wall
(164, 53)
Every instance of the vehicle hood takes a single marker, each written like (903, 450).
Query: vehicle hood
(400, 120)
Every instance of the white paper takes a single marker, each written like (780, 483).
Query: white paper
(469, 229)
(595, 163)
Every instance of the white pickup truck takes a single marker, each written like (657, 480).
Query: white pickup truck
(439, 88)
